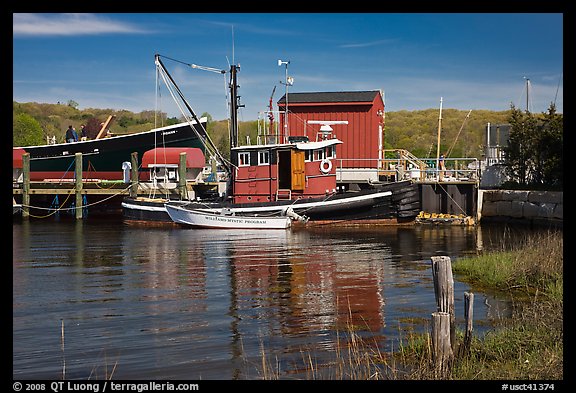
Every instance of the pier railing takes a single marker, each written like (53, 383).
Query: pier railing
(405, 167)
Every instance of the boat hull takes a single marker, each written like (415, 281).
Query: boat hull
(200, 219)
(103, 158)
(399, 202)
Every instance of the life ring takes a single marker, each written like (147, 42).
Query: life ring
(325, 166)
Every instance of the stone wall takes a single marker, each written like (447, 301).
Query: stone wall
(530, 207)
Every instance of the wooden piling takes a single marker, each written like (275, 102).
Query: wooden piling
(78, 184)
(134, 174)
(444, 290)
(469, 317)
(182, 176)
(442, 354)
(25, 185)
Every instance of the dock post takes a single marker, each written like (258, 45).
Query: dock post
(78, 184)
(182, 176)
(442, 354)
(25, 185)
(134, 175)
(444, 290)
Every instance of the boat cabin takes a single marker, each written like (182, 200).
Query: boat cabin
(162, 163)
(294, 170)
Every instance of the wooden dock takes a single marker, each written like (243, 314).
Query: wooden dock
(80, 187)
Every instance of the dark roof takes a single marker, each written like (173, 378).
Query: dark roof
(337, 96)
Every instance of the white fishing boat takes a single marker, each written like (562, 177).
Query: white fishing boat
(226, 219)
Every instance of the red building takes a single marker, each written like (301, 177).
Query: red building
(362, 137)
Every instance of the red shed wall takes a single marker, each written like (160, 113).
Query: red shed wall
(360, 137)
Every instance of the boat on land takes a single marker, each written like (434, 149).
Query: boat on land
(297, 173)
(226, 219)
(104, 158)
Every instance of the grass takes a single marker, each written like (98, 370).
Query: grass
(527, 346)
(535, 265)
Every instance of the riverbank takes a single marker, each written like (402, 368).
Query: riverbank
(528, 345)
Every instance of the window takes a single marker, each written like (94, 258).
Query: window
(263, 157)
(308, 155)
(172, 174)
(331, 151)
(244, 159)
(321, 154)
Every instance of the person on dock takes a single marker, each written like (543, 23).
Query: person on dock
(441, 166)
(71, 135)
(83, 133)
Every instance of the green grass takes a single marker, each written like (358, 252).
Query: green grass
(534, 265)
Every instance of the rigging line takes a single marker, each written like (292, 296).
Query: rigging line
(456, 203)
(156, 94)
(461, 127)
(557, 87)
(205, 135)
(521, 95)
(192, 65)
(50, 214)
(529, 92)
(122, 191)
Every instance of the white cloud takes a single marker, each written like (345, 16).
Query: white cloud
(69, 25)
(367, 44)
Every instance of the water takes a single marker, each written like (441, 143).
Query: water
(96, 298)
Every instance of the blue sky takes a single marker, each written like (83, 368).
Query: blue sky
(471, 60)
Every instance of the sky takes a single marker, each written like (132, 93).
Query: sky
(469, 60)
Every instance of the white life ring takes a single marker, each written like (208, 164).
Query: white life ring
(325, 166)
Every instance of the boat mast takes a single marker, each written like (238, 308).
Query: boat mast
(234, 105)
(438, 142)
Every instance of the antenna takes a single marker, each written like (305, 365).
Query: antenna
(233, 58)
(289, 81)
(325, 128)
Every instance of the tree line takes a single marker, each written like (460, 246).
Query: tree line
(534, 153)
(415, 131)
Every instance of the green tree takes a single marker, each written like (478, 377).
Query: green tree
(208, 116)
(534, 152)
(26, 131)
(550, 148)
(518, 149)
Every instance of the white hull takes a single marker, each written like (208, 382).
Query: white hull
(198, 219)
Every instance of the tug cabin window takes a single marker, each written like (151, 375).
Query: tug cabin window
(244, 159)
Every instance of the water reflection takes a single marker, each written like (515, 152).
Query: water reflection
(186, 304)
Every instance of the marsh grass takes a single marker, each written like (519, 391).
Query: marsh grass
(535, 265)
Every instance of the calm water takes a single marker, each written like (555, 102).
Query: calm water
(177, 303)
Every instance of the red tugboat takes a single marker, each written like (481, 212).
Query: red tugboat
(296, 177)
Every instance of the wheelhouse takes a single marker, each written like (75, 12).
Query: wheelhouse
(295, 170)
